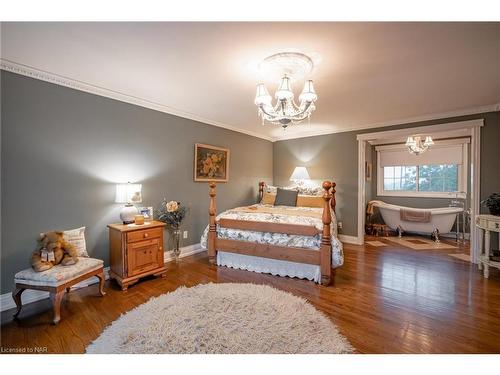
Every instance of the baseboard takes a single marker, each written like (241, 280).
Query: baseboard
(31, 295)
(351, 239)
(185, 252)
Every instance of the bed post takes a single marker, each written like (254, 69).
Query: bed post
(261, 190)
(333, 201)
(326, 242)
(212, 227)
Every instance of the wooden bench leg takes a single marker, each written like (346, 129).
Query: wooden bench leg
(102, 279)
(56, 301)
(16, 295)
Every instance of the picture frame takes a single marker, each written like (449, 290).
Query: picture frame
(211, 163)
(147, 212)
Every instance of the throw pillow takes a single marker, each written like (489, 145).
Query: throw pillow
(76, 237)
(286, 197)
(268, 198)
(310, 201)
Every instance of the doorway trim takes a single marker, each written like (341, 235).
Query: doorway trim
(470, 128)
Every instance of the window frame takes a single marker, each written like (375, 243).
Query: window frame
(462, 176)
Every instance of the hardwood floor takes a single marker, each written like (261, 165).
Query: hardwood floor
(384, 300)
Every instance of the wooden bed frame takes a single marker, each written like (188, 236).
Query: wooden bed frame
(323, 257)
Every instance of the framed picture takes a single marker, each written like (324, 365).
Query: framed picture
(147, 212)
(211, 163)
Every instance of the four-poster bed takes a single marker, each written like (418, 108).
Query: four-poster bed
(265, 237)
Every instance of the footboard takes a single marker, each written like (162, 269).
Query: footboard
(322, 258)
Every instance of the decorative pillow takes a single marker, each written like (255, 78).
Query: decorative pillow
(270, 189)
(285, 197)
(76, 237)
(310, 190)
(268, 198)
(310, 201)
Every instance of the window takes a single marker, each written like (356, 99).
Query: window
(425, 178)
(400, 178)
(439, 172)
(442, 177)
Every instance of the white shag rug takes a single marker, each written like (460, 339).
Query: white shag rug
(222, 318)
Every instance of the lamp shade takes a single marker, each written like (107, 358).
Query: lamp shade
(308, 94)
(410, 141)
(128, 193)
(285, 89)
(262, 96)
(299, 173)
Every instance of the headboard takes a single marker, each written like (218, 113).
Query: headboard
(333, 201)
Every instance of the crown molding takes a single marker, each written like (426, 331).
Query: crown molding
(28, 71)
(435, 116)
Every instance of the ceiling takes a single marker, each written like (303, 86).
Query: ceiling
(368, 74)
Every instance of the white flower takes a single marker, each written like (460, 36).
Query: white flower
(172, 206)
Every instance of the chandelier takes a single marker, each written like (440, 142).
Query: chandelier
(286, 111)
(417, 146)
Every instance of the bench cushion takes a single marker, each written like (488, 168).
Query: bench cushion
(59, 274)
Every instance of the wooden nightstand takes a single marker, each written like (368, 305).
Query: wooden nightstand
(136, 251)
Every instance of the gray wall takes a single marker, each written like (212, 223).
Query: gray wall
(335, 156)
(63, 151)
(332, 157)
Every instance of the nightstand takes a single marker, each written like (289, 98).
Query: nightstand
(136, 251)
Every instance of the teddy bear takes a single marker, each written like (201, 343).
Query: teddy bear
(53, 249)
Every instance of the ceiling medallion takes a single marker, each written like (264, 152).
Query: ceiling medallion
(290, 66)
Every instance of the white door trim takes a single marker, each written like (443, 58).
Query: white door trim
(471, 127)
(475, 197)
(361, 190)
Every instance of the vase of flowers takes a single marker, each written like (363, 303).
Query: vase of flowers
(173, 213)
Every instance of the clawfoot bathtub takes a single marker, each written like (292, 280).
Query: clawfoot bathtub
(441, 221)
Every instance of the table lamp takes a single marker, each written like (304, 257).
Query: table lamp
(299, 175)
(129, 194)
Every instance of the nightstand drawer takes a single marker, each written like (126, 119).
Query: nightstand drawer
(145, 234)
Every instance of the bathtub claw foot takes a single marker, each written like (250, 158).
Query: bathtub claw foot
(400, 231)
(435, 235)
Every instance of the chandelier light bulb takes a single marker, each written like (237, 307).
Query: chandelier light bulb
(428, 141)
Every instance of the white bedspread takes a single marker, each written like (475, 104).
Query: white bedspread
(273, 266)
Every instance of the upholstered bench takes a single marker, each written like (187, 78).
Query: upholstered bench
(57, 281)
